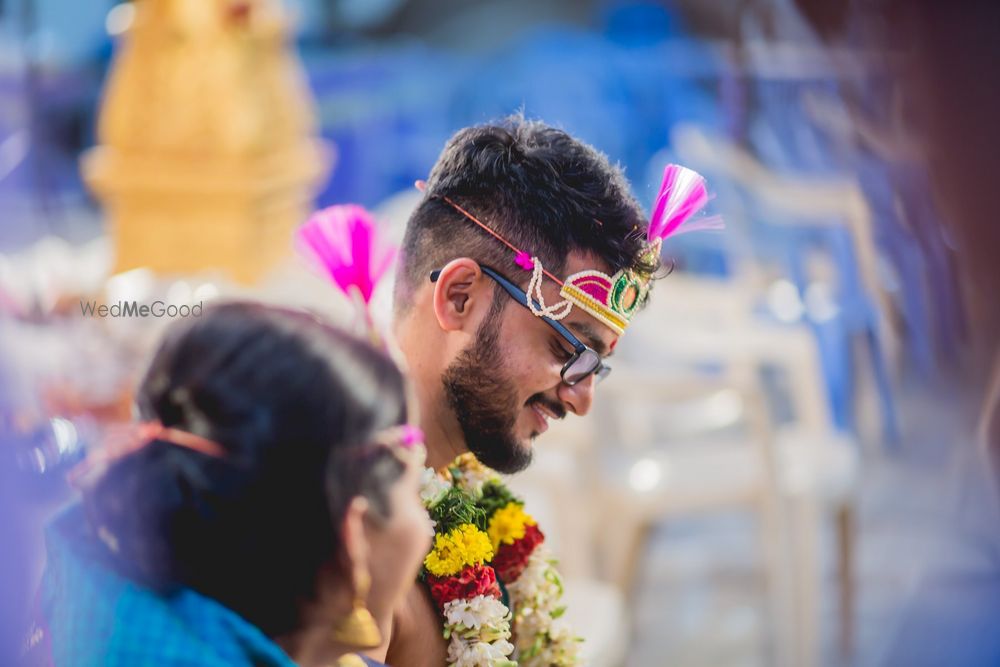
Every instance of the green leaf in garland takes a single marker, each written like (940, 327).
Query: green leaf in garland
(496, 496)
(455, 509)
(536, 647)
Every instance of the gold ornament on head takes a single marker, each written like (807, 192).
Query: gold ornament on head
(613, 300)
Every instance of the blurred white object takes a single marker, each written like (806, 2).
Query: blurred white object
(696, 356)
(833, 200)
(596, 611)
(554, 495)
(34, 279)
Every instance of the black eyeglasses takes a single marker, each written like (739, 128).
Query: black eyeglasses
(584, 361)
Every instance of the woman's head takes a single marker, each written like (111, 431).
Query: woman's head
(297, 406)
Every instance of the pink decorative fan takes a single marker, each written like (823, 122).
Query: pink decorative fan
(682, 194)
(343, 242)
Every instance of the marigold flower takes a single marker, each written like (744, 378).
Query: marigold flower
(462, 546)
(507, 525)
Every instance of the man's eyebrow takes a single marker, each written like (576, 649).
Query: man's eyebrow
(593, 339)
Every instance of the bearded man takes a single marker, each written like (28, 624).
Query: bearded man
(520, 269)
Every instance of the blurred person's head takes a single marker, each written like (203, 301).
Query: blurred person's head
(489, 370)
(933, 55)
(303, 498)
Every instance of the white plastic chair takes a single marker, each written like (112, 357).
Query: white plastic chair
(554, 491)
(787, 475)
(829, 200)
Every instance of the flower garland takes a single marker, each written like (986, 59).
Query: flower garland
(487, 548)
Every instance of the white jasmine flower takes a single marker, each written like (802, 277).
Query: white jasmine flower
(493, 652)
(538, 586)
(479, 654)
(432, 488)
(530, 626)
(464, 653)
(472, 481)
(560, 631)
(457, 647)
(475, 613)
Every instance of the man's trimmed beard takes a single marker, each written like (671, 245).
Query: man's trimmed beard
(484, 400)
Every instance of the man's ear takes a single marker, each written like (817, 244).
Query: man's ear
(459, 293)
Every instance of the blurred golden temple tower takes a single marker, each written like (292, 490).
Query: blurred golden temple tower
(208, 156)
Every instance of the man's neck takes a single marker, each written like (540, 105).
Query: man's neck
(442, 434)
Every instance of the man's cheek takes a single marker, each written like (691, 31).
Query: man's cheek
(527, 383)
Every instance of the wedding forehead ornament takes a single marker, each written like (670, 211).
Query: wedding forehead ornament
(614, 299)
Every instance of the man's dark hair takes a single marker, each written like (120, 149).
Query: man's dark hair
(544, 191)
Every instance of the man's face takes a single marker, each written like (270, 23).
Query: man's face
(506, 386)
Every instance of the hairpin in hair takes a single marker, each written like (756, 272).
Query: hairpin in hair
(123, 439)
(405, 440)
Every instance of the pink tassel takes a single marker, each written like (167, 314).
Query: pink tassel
(342, 240)
(682, 194)
(524, 260)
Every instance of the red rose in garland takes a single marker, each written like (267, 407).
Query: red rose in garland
(470, 582)
(511, 559)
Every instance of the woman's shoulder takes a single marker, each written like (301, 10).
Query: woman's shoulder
(93, 614)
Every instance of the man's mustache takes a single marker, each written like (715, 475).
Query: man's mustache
(554, 407)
